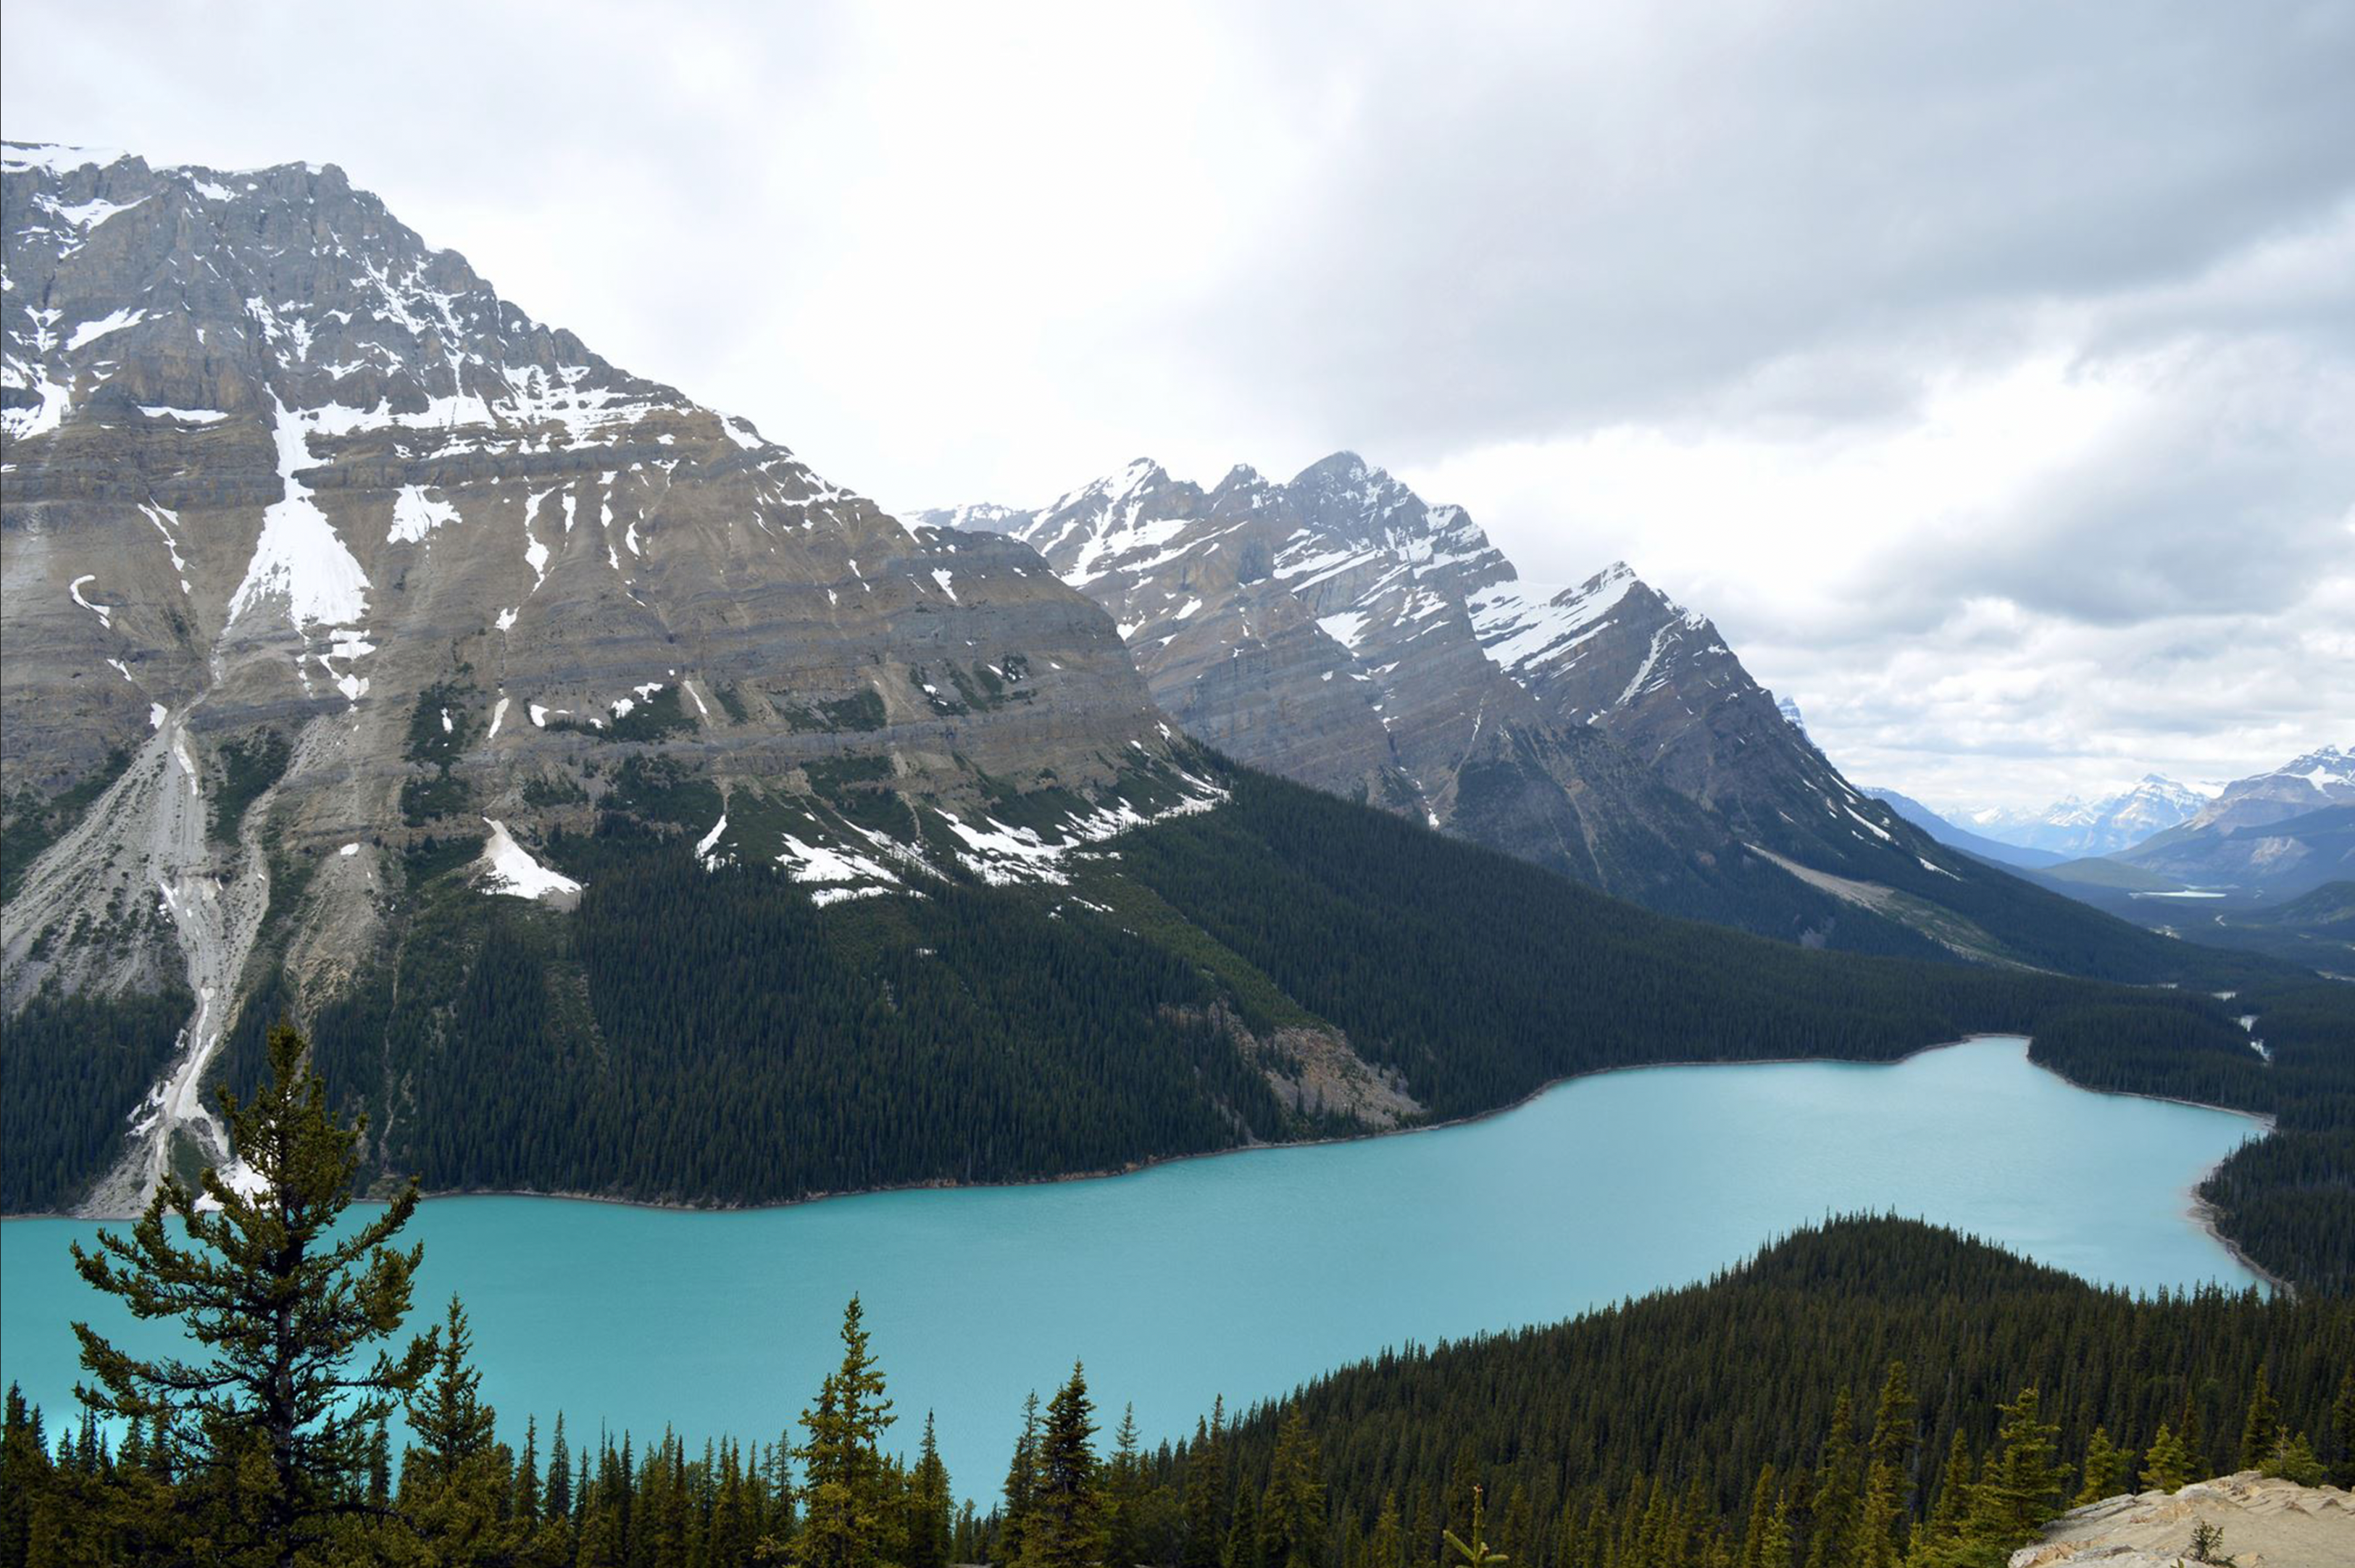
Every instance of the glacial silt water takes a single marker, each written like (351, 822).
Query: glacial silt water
(1246, 1273)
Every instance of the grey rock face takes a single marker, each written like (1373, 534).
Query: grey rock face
(315, 544)
(1341, 631)
(2316, 782)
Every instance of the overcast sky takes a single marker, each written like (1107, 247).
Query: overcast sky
(1985, 370)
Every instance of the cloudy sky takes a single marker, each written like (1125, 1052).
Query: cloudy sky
(1987, 370)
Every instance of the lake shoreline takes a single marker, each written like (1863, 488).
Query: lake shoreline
(1634, 1184)
(2198, 1210)
(1134, 1167)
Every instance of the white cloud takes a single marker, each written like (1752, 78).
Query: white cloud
(1984, 368)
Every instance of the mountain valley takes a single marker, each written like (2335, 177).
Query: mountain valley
(579, 989)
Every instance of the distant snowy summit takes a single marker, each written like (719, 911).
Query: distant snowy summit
(2156, 805)
(2072, 827)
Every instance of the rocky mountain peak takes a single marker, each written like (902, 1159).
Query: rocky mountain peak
(2331, 770)
(320, 551)
(1338, 629)
(2322, 777)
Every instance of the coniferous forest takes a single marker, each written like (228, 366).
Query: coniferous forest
(1868, 1392)
(713, 1036)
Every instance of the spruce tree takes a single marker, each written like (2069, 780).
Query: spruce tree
(1876, 1544)
(271, 1432)
(1776, 1548)
(2020, 1486)
(2261, 1428)
(1838, 1502)
(2167, 1467)
(1888, 1493)
(1206, 1493)
(842, 1462)
(2105, 1468)
(1243, 1549)
(2293, 1460)
(1123, 1496)
(23, 1477)
(446, 1412)
(527, 1474)
(560, 1475)
(455, 1483)
(930, 1517)
(1764, 1495)
(1021, 1479)
(1065, 1528)
(2187, 1431)
(1291, 1520)
(1388, 1547)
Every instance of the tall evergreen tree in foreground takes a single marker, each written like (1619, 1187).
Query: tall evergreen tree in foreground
(1123, 1496)
(271, 1436)
(446, 1409)
(1065, 1529)
(845, 1481)
(1291, 1521)
(931, 1523)
(457, 1483)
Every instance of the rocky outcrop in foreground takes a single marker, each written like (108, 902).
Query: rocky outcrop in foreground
(2266, 1524)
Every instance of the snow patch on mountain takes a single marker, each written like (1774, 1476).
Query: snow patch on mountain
(509, 869)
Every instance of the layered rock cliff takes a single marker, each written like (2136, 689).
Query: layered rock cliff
(319, 549)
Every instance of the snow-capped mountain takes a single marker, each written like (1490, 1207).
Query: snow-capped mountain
(2319, 779)
(1338, 629)
(1335, 629)
(2278, 833)
(2073, 827)
(320, 551)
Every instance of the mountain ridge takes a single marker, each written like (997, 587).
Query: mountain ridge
(320, 550)
(1339, 630)
(2074, 829)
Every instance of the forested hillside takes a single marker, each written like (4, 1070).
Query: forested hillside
(1288, 965)
(1774, 1382)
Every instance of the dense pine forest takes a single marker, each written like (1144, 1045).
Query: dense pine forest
(715, 1037)
(1870, 1392)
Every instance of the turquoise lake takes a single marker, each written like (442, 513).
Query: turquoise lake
(1247, 1273)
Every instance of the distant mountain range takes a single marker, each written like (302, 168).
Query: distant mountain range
(2071, 827)
(2275, 834)
(2270, 836)
(2262, 863)
(1946, 832)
